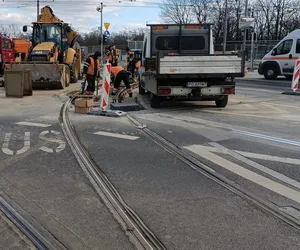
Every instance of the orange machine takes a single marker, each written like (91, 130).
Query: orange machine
(21, 47)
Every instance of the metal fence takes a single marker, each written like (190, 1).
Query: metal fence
(90, 50)
(135, 44)
(260, 48)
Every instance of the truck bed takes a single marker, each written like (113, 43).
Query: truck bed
(226, 65)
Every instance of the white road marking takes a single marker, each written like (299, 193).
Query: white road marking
(274, 117)
(269, 158)
(26, 144)
(273, 107)
(266, 137)
(5, 146)
(247, 174)
(121, 136)
(62, 144)
(258, 166)
(292, 161)
(33, 124)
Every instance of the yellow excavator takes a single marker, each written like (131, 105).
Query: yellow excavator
(54, 57)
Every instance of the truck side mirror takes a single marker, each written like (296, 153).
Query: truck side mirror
(68, 29)
(274, 52)
(25, 28)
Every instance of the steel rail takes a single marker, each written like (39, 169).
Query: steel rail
(204, 169)
(24, 226)
(139, 234)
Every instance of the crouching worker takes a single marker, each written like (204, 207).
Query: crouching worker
(91, 72)
(119, 74)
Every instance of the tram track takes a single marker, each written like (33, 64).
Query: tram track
(28, 231)
(207, 171)
(139, 234)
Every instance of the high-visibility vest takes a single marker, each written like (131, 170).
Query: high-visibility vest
(91, 68)
(115, 70)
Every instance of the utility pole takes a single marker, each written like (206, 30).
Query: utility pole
(252, 50)
(225, 27)
(252, 44)
(101, 32)
(38, 10)
(245, 30)
(100, 9)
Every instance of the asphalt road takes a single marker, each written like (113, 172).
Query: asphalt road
(42, 180)
(184, 208)
(254, 141)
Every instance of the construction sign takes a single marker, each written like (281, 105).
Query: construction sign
(106, 25)
(105, 86)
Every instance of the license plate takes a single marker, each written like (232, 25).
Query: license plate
(196, 84)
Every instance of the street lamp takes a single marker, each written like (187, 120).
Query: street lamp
(100, 9)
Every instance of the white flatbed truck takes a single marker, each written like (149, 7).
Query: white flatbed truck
(178, 63)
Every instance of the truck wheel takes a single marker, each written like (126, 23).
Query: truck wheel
(155, 101)
(141, 90)
(222, 101)
(270, 72)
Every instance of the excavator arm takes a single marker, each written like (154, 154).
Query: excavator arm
(47, 16)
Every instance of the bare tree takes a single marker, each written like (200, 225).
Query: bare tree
(12, 30)
(177, 11)
(202, 10)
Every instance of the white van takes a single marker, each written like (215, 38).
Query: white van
(281, 59)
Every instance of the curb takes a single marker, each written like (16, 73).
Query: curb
(291, 93)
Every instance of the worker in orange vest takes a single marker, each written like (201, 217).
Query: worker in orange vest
(115, 56)
(119, 74)
(108, 54)
(91, 72)
(130, 61)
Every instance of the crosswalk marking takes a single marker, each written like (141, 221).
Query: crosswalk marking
(247, 174)
(292, 161)
(258, 166)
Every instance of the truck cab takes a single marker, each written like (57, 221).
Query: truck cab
(281, 59)
(7, 53)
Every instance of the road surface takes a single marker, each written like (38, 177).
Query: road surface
(253, 142)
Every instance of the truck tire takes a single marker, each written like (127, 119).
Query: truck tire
(270, 72)
(155, 101)
(289, 77)
(222, 101)
(141, 90)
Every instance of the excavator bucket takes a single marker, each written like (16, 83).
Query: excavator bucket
(45, 76)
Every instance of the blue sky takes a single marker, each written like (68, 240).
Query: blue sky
(82, 14)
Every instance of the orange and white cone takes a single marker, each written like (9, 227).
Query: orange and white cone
(296, 75)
